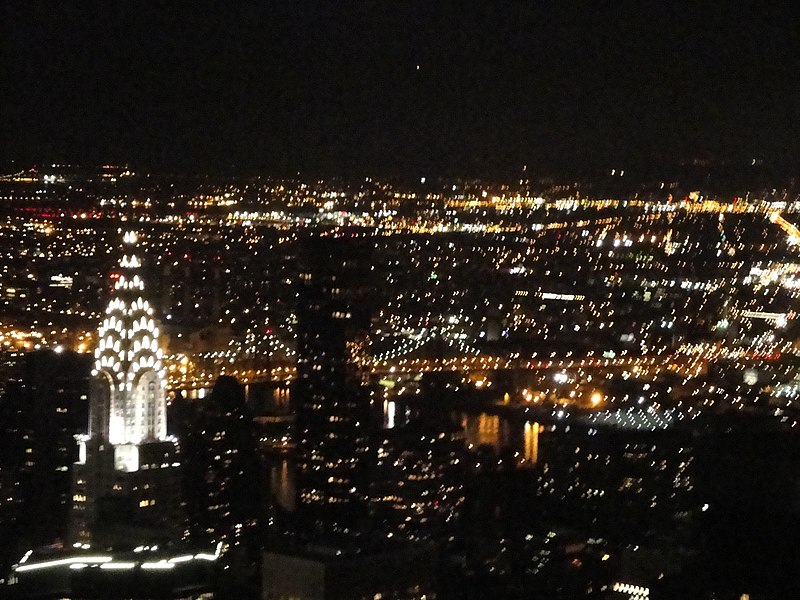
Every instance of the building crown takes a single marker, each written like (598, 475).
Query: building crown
(128, 347)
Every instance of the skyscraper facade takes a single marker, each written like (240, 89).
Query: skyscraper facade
(221, 468)
(44, 405)
(333, 414)
(125, 482)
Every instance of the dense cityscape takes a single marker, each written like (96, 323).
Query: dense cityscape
(249, 387)
(412, 300)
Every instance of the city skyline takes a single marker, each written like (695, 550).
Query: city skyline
(534, 381)
(408, 301)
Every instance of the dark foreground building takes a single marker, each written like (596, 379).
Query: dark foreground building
(327, 575)
(332, 404)
(43, 406)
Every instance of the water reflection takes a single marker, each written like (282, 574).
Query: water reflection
(502, 435)
(515, 437)
(282, 482)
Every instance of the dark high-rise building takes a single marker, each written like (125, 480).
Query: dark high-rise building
(400, 574)
(12, 458)
(223, 481)
(416, 489)
(44, 405)
(221, 466)
(637, 483)
(333, 405)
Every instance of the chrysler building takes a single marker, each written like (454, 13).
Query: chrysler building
(125, 483)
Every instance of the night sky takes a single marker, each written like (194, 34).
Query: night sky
(333, 87)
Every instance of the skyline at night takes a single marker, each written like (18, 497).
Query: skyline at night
(516, 390)
(399, 301)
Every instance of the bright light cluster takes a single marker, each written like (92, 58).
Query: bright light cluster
(108, 563)
(129, 357)
(637, 592)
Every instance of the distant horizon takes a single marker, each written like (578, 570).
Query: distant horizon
(698, 173)
(413, 88)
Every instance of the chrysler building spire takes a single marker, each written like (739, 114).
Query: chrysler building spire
(128, 358)
(127, 457)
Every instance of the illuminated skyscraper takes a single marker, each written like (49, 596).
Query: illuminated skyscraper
(131, 407)
(124, 484)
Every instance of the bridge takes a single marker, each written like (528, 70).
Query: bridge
(203, 374)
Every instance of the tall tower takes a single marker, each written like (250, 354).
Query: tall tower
(124, 484)
(332, 423)
(132, 407)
